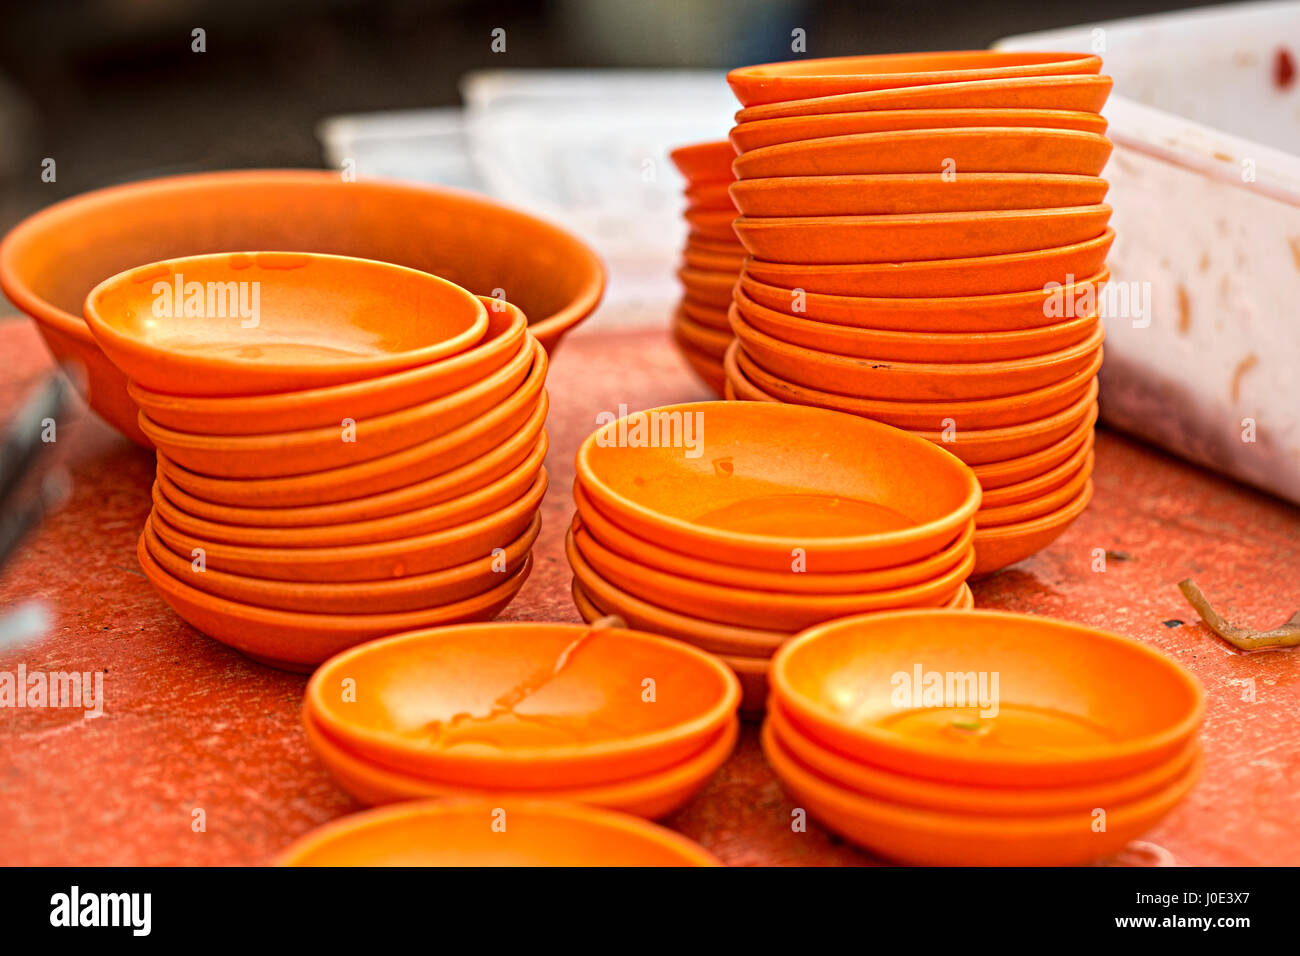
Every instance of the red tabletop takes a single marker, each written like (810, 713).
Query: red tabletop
(190, 725)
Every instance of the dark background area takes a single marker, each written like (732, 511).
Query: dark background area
(112, 90)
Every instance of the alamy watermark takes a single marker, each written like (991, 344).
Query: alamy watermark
(53, 689)
(652, 429)
(920, 688)
(1114, 300)
(208, 300)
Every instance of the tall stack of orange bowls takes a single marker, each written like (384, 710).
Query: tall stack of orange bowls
(734, 525)
(346, 448)
(711, 260)
(927, 241)
(983, 738)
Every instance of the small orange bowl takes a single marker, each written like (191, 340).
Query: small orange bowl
(706, 367)
(794, 129)
(1004, 545)
(942, 278)
(986, 314)
(524, 705)
(708, 288)
(977, 413)
(976, 149)
(709, 195)
(705, 162)
(482, 833)
(251, 323)
(329, 406)
(934, 838)
(1036, 507)
(763, 485)
(912, 193)
(1082, 92)
(829, 76)
(1071, 704)
(1013, 471)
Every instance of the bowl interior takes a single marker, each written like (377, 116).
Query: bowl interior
(783, 470)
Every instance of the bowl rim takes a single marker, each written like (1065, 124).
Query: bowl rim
(994, 60)
(817, 714)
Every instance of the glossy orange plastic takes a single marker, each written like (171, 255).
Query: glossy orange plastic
(1080, 92)
(778, 610)
(917, 237)
(912, 193)
(451, 833)
(794, 129)
(1002, 546)
(976, 149)
(1074, 704)
(297, 641)
(313, 408)
(376, 561)
(462, 833)
(705, 162)
(525, 408)
(1030, 508)
(759, 481)
(988, 314)
(984, 275)
(412, 593)
(51, 260)
(934, 838)
(276, 321)
(926, 416)
(651, 796)
(885, 785)
(347, 442)
(829, 76)
(524, 705)
(474, 504)
(913, 381)
(914, 346)
(1000, 474)
(1042, 483)
(608, 534)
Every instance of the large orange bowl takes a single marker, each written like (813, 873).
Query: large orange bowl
(50, 261)
(482, 833)
(829, 76)
(762, 485)
(524, 705)
(1036, 702)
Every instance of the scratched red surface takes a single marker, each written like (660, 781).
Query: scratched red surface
(189, 724)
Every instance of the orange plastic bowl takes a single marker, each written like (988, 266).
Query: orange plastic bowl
(915, 237)
(1039, 505)
(608, 534)
(885, 785)
(705, 162)
(729, 259)
(51, 260)
(913, 381)
(750, 607)
(297, 641)
(829, 76)
(980, 413)
(974, 149)
(347, 442)
(1015, 312)
(709, 195)
(1012, 471)
(933, 838)
(912, 193)
(250, 323)
(983, 275)
(1004, 545)
(437, 457)
(651, 796)
(706, 367)
(700, 338)
(482, 833)
(794, 129)
(1044, 482)
(914, 346)
(708, 288)
(762, 484)
(524, 705)
(709, 316)
(1073, 704)
(314, 408)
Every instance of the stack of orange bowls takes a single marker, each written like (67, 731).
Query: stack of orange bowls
(983, 738)
(927, 239)
(357, 454)
(734, 525)
(710, 262)
(592, 715)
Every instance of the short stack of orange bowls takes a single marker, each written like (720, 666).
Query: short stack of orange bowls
(355, 450)
(982, 738)
(710, 262)
(734, 525)
(927, 241)
(599, 716)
